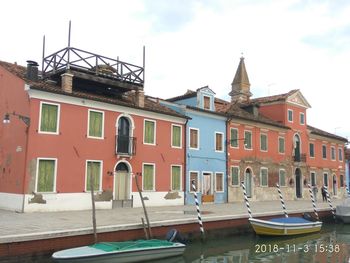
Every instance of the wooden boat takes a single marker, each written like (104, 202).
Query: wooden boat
(343, 211)
(285, 226)
(128, 251)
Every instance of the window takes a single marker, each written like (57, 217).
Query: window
(149, 134)
(247, 140)
(302, 118)
(263, 142)
(325, 179)
(282, 177)
(312, 150)
(313, 178)
(49, 117)
(290, 115)
(95, 124)
(324, 151)
(176, 178)
(94, 170)
(219, 182)
(340, 154)
(263, 177)
(176, 137)
(281, 147)
(148, 177)
(46, 175)
(206, 102)
(235, 175)
(341, 180)
(194, 138)
(194, 177)
(333, 153)
(219, 147)
(234, 138)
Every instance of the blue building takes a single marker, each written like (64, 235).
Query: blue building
(205, 145)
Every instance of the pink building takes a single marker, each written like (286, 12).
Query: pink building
(76, 123)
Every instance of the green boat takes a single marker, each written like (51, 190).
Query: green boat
(128, 251)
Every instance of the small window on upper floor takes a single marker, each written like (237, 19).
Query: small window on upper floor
(324, 151)
(95, 124)
(340, 154)
(290, 115)
(312, 149)
(263, 142)
(302, 118)
(206, 102)
(247, 140)
(333, 153)
(49, 118)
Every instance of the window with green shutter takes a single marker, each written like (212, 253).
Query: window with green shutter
(176, 136)
(263, 142)
(248, 140)
(281, 145)
(234, 138)
(282, 177)
(46, 175)
(235, 175)
(93, 169)
(263, 177)
(148, 177)
(49, 118)
(95, 124)
(149, 132)
(175, 178)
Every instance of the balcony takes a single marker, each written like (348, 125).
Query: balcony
(300, 158)
(125, 145)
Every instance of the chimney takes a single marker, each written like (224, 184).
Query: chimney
(32, 70)
(67, 82)
(140, 98)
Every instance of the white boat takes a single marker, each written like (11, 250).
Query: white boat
(343, 211)
(128, 251)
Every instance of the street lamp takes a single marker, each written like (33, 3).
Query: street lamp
(25, 119)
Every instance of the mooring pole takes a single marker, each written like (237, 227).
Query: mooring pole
(313, 201)
(347, 191)
(282, 201)
(144, 208)
(198, 210)
(329, 201)
(246, 200)
(93, 207)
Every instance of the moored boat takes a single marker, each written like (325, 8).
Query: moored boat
(285, 226)
(343, 211)
(128, 251)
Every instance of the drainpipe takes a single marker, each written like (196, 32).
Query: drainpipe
(227, 156)
(185, 160)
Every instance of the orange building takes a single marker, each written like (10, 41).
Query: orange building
(81, 124)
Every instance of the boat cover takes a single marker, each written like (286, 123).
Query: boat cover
(290, 220)
(129, 245)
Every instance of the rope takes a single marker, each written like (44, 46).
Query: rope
(246, 200)
(282, 201)
(313, 201)
(198, 210)
(329, 201)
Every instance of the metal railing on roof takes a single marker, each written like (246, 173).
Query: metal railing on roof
(73, 58)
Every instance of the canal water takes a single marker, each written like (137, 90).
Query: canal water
(331, 245)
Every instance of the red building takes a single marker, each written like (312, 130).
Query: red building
(81, 122)
(270, 142)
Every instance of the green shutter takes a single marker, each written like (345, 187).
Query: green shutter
(280, 145)
(263, 142)
(95, 124)
(175, 178)
(176, 140)
(148, 177)
(263, 177)
(234, 176)
(234, 138)
(46, 176)
(94, 170)
(248, 140)
(149, 132)
(282, 178)
(49, 116)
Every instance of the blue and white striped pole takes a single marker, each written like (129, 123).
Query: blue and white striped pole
(329, 201)
(198, 210)
(246, 200)
(313, 201)
(282, 201)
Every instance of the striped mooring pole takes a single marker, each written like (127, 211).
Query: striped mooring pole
(198, 210)
(246, 200)
(282, 201)
(329, 201)
(313, 201)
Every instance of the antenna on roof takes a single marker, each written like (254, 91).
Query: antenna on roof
(42, 63)
(69, 30)
(144, 64)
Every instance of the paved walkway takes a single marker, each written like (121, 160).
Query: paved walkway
(30, 226)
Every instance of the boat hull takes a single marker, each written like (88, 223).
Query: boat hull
(88, 254)
(343, 212)
(269, 228)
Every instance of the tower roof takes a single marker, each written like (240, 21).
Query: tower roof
(241, 76)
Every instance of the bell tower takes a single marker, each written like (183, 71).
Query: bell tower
(240, 86)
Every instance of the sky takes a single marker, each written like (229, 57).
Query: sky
(289, 44)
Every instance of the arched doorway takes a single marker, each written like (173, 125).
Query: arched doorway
(122, 182)
(123, 141)
(334, 184)
(248, 181)
(297, 148)
(298, 183)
